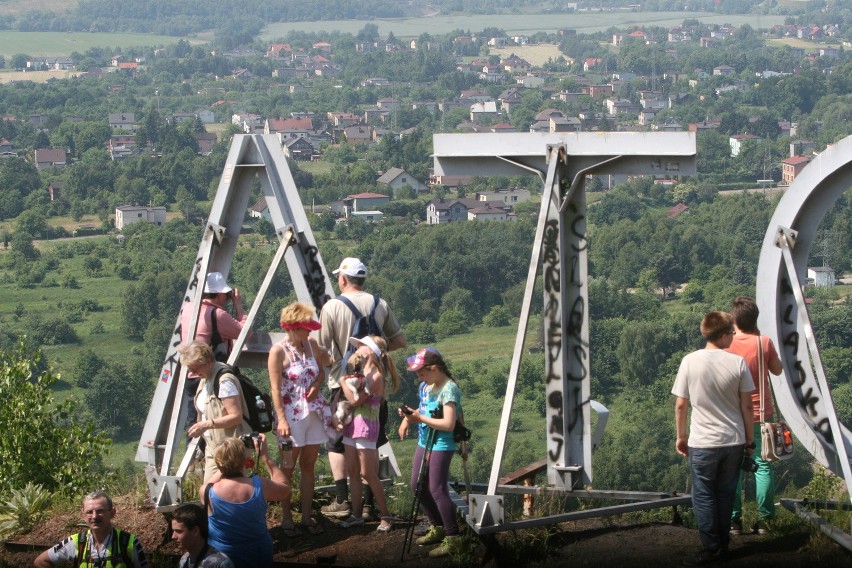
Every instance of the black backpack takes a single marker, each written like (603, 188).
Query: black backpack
(363, 326)
(250, 392)
(219, 345)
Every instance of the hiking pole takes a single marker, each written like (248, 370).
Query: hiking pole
(415, 503)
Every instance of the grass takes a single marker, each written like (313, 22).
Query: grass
(518, 23)
(64, 43)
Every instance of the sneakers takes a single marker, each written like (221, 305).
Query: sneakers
(448, 546)
(736, 528)
(422, 528)
(434, 536)
(337, 510)
(352, 521)
(704, 558)
(369, 515)
(759, 528)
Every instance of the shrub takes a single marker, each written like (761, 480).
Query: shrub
(24, 510)
(44, 442)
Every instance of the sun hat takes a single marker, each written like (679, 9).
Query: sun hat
(424, 357)
(351, 266)
(216, 284)
(368, 341)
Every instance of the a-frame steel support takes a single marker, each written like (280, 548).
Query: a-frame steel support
(252, 159)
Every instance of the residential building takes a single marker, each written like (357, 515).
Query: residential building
(790, 168)
(129, 214)
(51, 158)
(821, 276)
(737, 140)
(122, 121)
(504, 197)
(396, 178)
(299, 149)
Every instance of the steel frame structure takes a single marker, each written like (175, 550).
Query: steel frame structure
(562, 161)
(251, 159)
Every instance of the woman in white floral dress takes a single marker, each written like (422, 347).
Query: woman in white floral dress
(302, 415)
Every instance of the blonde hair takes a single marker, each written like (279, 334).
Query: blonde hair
(297, 312)
(195, 353)
(387, 362)
(230, 457)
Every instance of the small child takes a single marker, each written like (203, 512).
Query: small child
(354, 381)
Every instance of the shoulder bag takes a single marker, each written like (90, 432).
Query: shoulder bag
(776, 439)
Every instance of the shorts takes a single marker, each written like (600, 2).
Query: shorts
(334, 446)
(309, 431)
(359, 443)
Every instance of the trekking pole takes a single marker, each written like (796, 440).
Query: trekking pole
(415, 503)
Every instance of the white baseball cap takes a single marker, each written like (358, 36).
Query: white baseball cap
(216, 284)
(351, 266)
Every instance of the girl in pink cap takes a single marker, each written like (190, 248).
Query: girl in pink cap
(440, 407)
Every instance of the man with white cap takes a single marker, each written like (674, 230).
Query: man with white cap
(216, 326)
(338, 320)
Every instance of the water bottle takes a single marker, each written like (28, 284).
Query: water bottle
(287, 454)
(263, 417)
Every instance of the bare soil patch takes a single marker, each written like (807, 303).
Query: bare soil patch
(537, 55)
(34, 76)
(593, 542)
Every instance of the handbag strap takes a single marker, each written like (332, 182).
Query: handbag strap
(760, 372)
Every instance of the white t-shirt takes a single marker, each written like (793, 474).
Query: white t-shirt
(712, 380)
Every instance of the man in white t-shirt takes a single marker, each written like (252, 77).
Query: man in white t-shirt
(717, 386)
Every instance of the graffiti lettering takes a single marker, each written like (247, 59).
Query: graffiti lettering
(807, 392)
(314, 278)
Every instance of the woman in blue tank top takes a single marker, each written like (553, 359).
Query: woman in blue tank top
(236, 505)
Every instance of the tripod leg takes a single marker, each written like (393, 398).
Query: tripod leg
(421, 477)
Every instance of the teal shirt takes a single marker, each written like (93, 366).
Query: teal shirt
(429, 401)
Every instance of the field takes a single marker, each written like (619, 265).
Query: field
(521, 24)
(61, 43)
(535, 54)
(18, 6)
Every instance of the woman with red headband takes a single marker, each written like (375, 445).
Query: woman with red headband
(302, 415)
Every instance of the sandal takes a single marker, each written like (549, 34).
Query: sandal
(385, 528)
(291, 532)
(352, 521)
(314, 528)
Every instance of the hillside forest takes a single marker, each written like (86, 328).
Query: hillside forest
(99, 310)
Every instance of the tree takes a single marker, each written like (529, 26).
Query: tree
(44, 442)
(87, 365)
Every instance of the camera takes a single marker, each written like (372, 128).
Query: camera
(248, 439)
(748, 465)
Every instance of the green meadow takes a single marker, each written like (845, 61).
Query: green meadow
(64, 43)
(519, 23)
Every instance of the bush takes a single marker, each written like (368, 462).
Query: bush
(43, 442)
(498, 316)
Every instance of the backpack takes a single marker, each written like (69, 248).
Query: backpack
(219, 345)
(362, 327)
(250, 391)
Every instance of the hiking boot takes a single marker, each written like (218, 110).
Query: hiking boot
(337, 510)
(736, 528)
(422, 528)
(448, 546)
(434, 536)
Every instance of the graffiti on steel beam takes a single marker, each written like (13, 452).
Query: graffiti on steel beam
(807, 394)
(315, 278)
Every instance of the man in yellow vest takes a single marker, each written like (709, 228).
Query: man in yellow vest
(101, 546)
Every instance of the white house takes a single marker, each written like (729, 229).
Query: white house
(821, 276)
(396, 178)
(129, 214)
